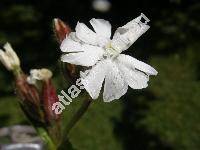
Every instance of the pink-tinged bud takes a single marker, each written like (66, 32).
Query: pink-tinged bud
(25, 91)
(29, 98)
(49, 97)
(61, 29)
(70, 71)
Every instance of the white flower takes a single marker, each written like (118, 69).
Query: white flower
(39, 74)
(9, 58)
(96, 50)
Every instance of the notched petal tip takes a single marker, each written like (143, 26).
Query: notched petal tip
(145, 18)
(130, 32)
(9, 57)
(134, 63)
(85, 34)
(102, 27)
(7, 45)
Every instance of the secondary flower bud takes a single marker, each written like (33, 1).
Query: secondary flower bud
(60, 29)
(29, 97)
(26, 91)
(48, 92)
(49, 97)
(9, 58)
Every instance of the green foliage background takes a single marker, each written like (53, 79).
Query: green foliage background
(166, 115)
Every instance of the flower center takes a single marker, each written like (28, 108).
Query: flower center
(110, 51)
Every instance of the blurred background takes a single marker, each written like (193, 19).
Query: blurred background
(164, 116)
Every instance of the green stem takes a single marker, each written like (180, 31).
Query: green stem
(44, 135)
(17, 71)
(77, 116)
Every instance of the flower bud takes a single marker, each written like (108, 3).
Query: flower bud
(61, 30)
(48, 92)
(70, 71)
(9, 58)
(29, 98)
(49, 97)
(5, 60)
(26, 91)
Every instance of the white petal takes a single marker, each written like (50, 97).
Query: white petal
(73, 36)
(41, 74)
(126, 35)
(85, 34)
(134, 78)
(94, 80)
(134, 63)
(134, 22)
(31, 80)
(5, 60)
(88, 56)
(69, 45)
(101, 27)
(115, 85)
(14, 59)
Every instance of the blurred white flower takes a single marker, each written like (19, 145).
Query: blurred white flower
(39, 74)
(9, 58)
(96, 50)
(101, 5)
